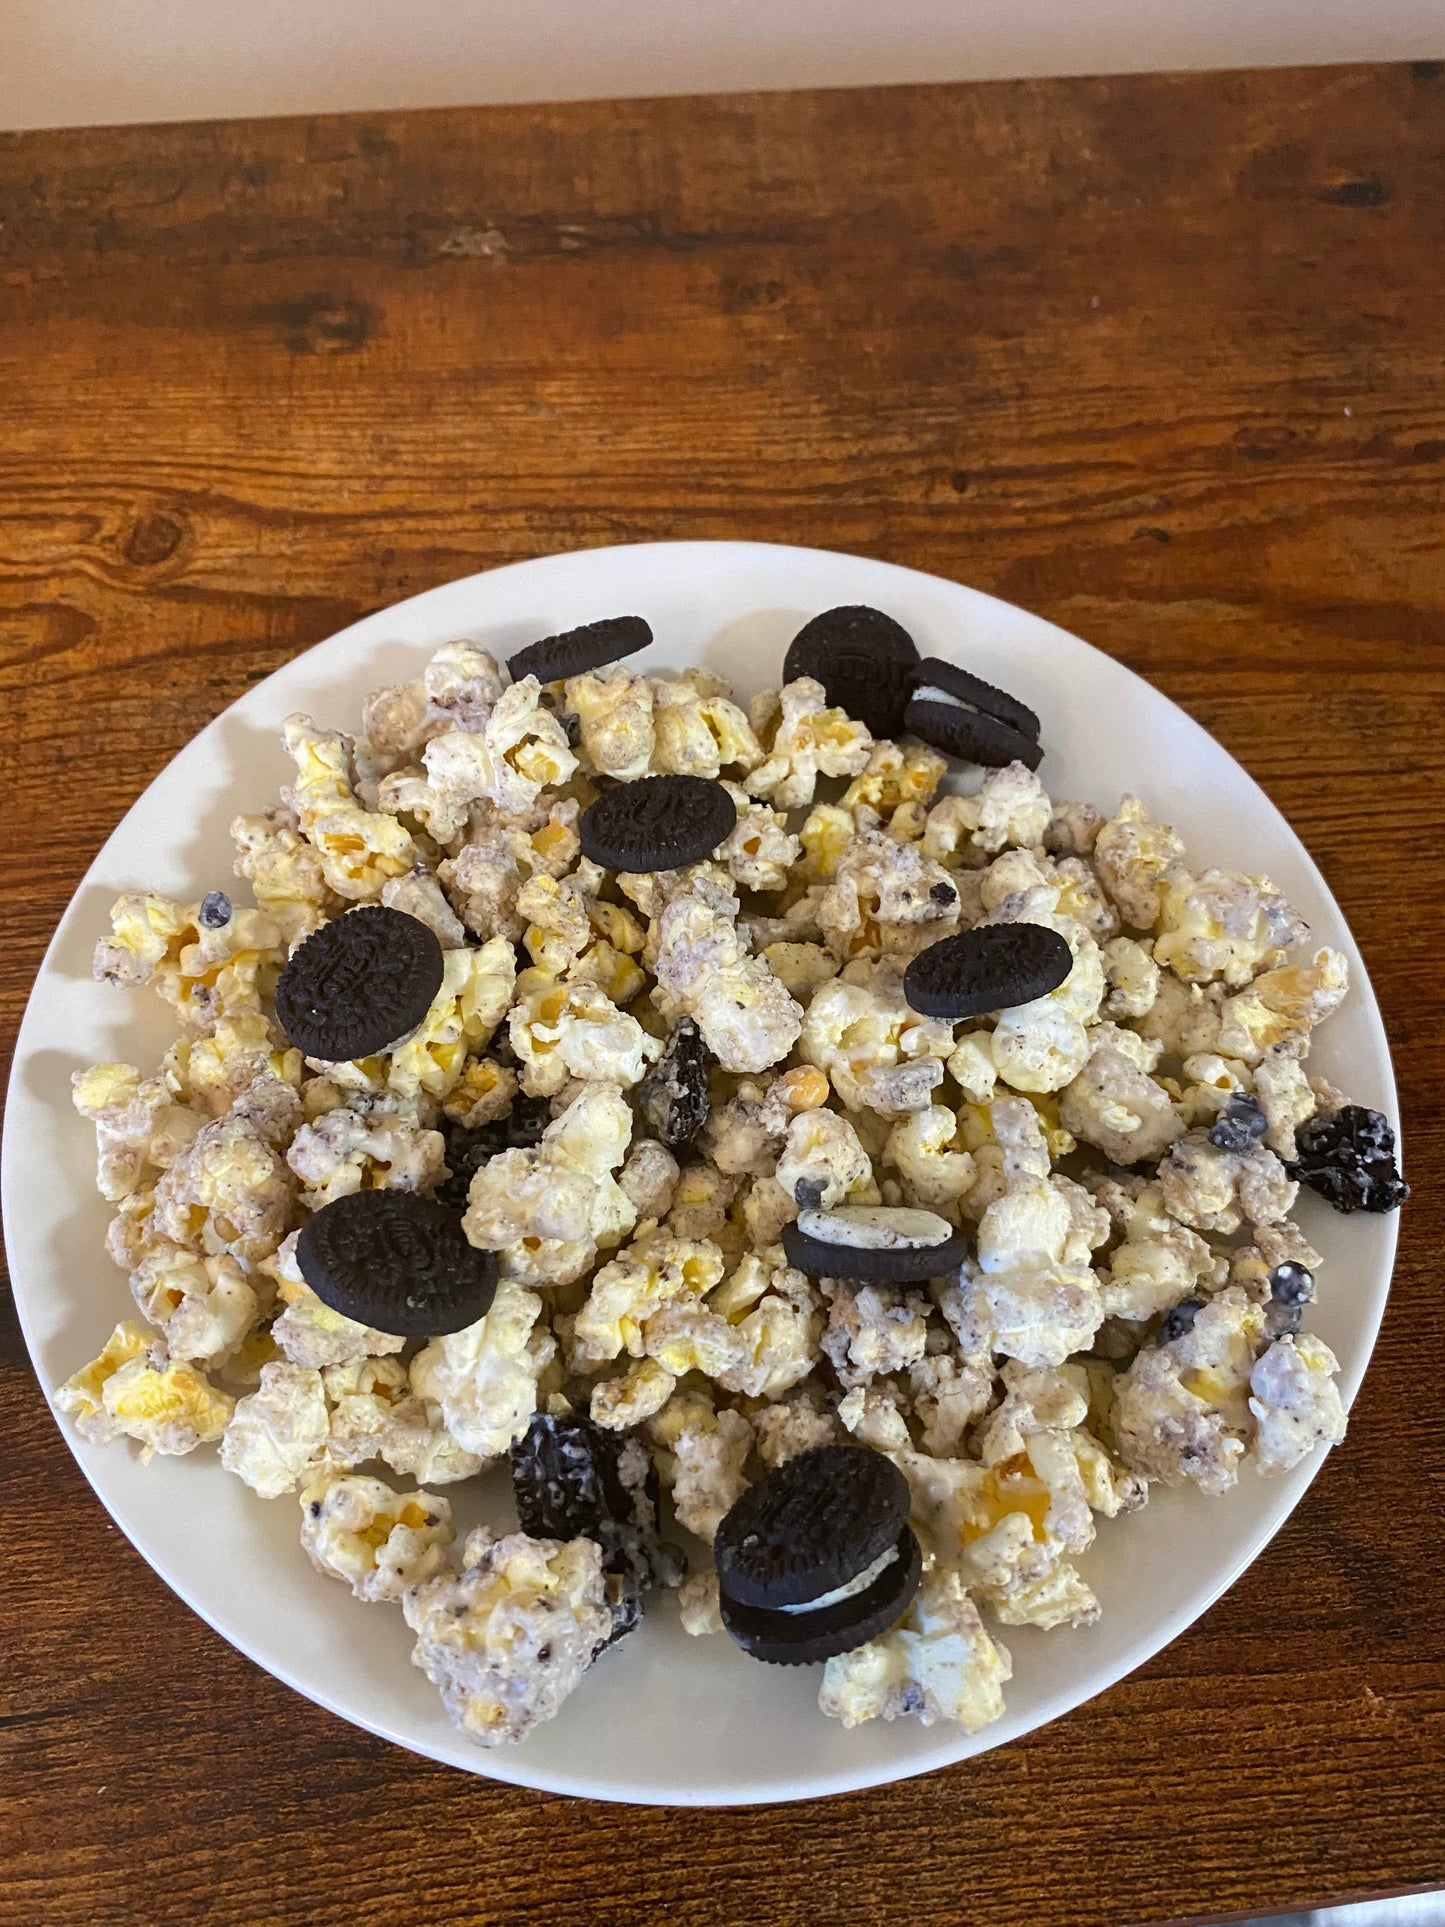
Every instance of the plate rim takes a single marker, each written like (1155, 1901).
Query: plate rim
(510, 1766)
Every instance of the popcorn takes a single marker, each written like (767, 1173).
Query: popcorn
(802, 740)
(420, 895)
(375, 1414)
(509, 1638)
(759, 851)
(140, 1129)
(204, 973)
(1295, 1403)
(574, 1030)
(699, 731)
(204, 1306)
(359, 849)
(747, 1018)
(791, 1426)
(228, 1191)
(860, 1030)
(287, 876)
(614, 712)
(1133, 858)
(924, 1150)
(485, 875)
(1158, 1263)
(1132, 976)
(345, 1151)
(277, 1435)
(484, 1377)
(546, 1211)
(620, 1404)
(1114, 1105)
(823, 1164)
(520, 751)
(1182, 1412)
(1276, 1014)
(1223, 925)
(1102, 1335)
(133, 1390)
(885, 896)
(897, 776)
(704, 1452)
(627, 1292)
(378, 1541)
(938, 1663)
(699, 1605)
(1011, 811)
(1215, 1190)
(872, 1330)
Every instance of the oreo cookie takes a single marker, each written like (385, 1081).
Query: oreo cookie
(808, 1635)
(817, 1557)
(965, 716)
(993, 967)
(359, 984)
(575, 651)
(673, 1096)
(397, 1262)
(874, 1244)
(573, 1480)
(864, 660)
(657, 823)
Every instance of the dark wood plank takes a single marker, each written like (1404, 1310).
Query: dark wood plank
(1158, 357)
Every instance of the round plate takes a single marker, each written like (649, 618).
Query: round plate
(666, 1718)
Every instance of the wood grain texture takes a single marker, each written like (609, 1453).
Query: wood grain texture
(1161, 358)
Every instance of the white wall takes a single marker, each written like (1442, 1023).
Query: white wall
(72, 62)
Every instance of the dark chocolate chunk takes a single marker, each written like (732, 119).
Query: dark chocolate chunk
(1291, 1283)
(657, 823)
(868, 1265)
(811, 1525)
(864, 660)
(980, 696)
(468, 1149)
(359, 984)
(397, 1262)
(575, 651)
(1240, 1124)
(803, 1639)
(673, 1096)
(215, 911)
(573, 1480)
(993, 967)
(1174, 1324)
(1348, 1156)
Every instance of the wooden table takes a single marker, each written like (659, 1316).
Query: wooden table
(1159, 358)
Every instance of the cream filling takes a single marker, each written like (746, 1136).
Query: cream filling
(876, 1227)
(929, 694)
(860, 1584)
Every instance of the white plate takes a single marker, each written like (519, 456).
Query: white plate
(665, 1719)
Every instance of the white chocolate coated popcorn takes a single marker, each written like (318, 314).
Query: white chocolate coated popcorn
(1113, 1323)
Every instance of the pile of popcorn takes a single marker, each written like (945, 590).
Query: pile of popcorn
(1038, 1389)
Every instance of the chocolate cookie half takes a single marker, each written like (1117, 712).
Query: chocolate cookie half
(359, 984)
(874, 1244)
(966, 717)
(865, 661)
(657, 823)
(575, 651)
(396, 1262)
(993, 967)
